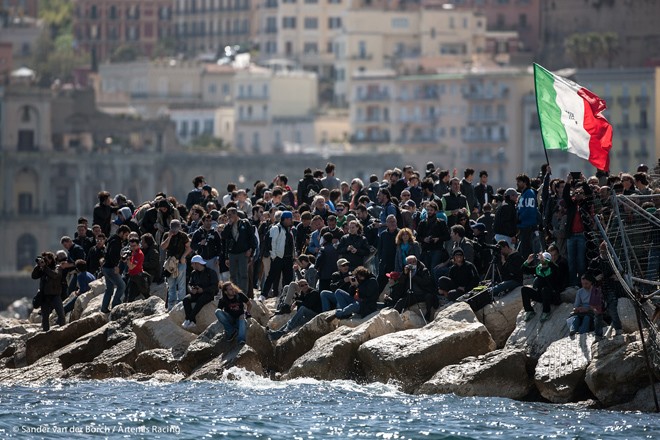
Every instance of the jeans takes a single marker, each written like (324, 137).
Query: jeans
(346, 304)
(505, 287)
(199, 301)
(50, 303)
(328, 300)
(238, 270)
(112, 280)
(577, 257)
(232, 325)
(303, 315)
(68, 307)
(582, 323)
(432, 258)
(176, 287)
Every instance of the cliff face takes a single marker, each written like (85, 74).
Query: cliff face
(454, 353)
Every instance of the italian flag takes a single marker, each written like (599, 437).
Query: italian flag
(571, 118)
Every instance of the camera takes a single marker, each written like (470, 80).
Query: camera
(353, 279)
(125, 254)
(39, 260)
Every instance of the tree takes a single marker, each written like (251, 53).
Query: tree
(125, 53)
(58, 14)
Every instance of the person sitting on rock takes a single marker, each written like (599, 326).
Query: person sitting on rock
(603, 271)
(415, 286)
(360, 298)
(303, 269)
(462, 278)
(340, 280)
(308, 306)
(543, 289)
(588, 302)
(232, 308)
(510, 269)
(83, 278)
(202, 287)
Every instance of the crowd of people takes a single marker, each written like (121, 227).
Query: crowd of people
(413, 237)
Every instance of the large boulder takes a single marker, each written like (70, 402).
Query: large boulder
(43, 343)
(617, 370)
(261, 312)
(643, 400)
(500, 316)
(204, 318)
(412, 357)
(158, 359)
(11, 326)
(628, 316)
(242, 357)
(257, 339)
(127, 313)
(89, 346)
(209, 344)
(276, 322)
(560, 371)
(535, 336)
(501, 373)
(116, 361)
(293, 345)
(334, 355)
(96, 289)
(161, 332)
(93, 306)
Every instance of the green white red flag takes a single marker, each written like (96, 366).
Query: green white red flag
(571, 118)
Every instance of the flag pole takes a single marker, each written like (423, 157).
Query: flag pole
(538, 115)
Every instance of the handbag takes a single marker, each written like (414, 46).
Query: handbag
(171, 267)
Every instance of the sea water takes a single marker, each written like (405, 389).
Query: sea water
(252, 407)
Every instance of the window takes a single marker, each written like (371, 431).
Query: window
(334, 22)
(255, 139)
(26, 249)
(25, 203)
(62, 200)
(451, 22)
(183, 129)
(26, 140)
(288, 22)
(311, 1)
(271, 24)
(311, 48)
(208, 126)
(362, 49)
(400, 23)
(311, 23)
(212, 89)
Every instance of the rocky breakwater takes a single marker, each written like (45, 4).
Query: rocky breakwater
(492, 353)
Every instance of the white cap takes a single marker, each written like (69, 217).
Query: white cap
(198, 259)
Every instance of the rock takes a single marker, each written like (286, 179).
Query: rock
(7, 345)
(159, 290)
(161, 332)
(242, 357)
(627, 314)
(204, 318)
(43, 343)
(261, 313)
(96, 288)
(412, 357)
(617, 370)
(161, 376)
(293, 345)
(11, 326)
(501, 373)
(534, 336)
(93, 306)
(568, 295)
(19, 309)
(334, 355)
(154, 360)
(257, 338)
(116, 361)
(643, 401)
(209, 344)
(126, 314)
(412, 319)
(276, 322)
(560, 371)
(89, 346)
(500, 316)
(45, 368)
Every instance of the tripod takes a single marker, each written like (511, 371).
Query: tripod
(494, 271)
(409, 295)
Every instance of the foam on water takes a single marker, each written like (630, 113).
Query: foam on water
(245, 405)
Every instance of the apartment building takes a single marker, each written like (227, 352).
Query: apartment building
(208, 26)
(373, 39)
(273, 108)
(463, 118)
(102, 26)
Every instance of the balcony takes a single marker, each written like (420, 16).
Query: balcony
(481, 139)
(373, 96)
(361, 56)
(477, 94)
(642, 126)
(624, 101)
(252, 120)
(372, 118)
(370, 138)
(624, 129)
(487, 119)
(642, 101)
(419, 120)
(244, 97)
(270, 30)
(417, 140)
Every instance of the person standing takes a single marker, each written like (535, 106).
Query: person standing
(137, 285)
(281, 254)
(240, 244)
(49, 275)
(177, 246)
(528, 217)
(207, 243)
(113, 281)
(483, 192)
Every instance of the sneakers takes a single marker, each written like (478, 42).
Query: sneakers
(529, 315)
(188, 324)
(262, 298)
(545, 317)
(284, 310)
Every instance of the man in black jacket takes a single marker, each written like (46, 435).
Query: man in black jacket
(353, 246)
(206, 242)
(309, 305)
(111, 269)
(387, 250)
(463, 276)
(432, 233)
(510, 267)
(240, 244)
(202, 287)
(483, 192)
(50, 287)
(360, 298)
(415, 286)
(103, 212)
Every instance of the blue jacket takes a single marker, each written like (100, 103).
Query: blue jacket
(527, 209)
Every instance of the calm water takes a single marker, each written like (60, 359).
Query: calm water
(258, 408)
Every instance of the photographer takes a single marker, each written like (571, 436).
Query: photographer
(546, 286)
(50, 288)
(415, 286)
(509, 265)
(137, 283)
(207, 244)
(361, 297)
(203, 286)
(577, 197)
(111, 271)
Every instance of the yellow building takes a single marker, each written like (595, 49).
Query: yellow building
(377, 39)
(273, 108)
(459, 118)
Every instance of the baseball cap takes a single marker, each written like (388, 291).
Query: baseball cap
(457, 251)
(547, 256)
(198, 259)
(208, 188)
(393, 275)
(286, 214)
(511, 192)
(341, 262)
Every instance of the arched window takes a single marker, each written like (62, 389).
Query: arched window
(26, 251)
(26, 184)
